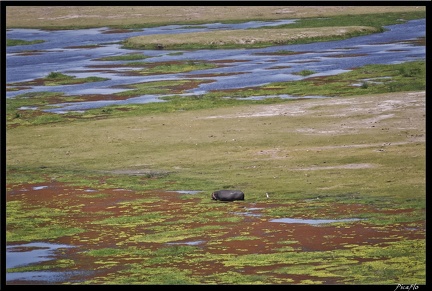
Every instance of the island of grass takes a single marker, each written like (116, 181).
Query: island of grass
(250, 38)
(15, 42)
(57, 78)
(305, 30)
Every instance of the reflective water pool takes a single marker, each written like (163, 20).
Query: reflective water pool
(34, 253)
(312, 221)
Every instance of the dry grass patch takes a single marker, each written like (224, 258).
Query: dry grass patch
(99, 16)
(250, 36)
(222, 145)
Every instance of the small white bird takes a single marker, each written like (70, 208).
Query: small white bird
(267, 195)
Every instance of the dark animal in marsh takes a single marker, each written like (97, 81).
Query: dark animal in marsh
(228, 195)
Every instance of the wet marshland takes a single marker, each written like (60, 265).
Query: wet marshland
(80, 53)
(247, 230)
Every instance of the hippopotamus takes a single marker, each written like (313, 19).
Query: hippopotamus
(228, 195)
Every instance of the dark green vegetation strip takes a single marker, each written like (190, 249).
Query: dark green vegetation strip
(171, 68)
(369, 79)
(377, 20)
(15, 42)
(57, 78)
(127, 57)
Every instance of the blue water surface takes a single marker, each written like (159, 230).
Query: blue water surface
(65, 51)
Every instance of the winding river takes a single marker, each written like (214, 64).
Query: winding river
(78, 53)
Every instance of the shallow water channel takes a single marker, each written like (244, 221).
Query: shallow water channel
(78, 53)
